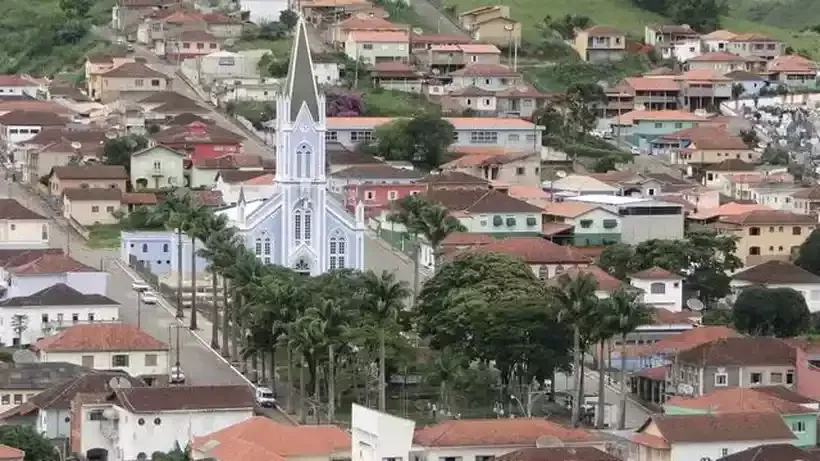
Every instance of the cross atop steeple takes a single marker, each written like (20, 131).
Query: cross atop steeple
(301, 85)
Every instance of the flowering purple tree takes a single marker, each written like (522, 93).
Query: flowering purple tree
(344, 104)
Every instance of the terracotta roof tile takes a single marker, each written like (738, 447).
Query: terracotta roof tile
(139, 198)
(377, 171)
(437, 39)
(651, 84)
(133, 70)
(47, 263)
(455, 178)
(534, 250)
(14, 210)
(662, 316)
(722, 427)
(557, 454)
(158, 399)
(479, 48)
(791, 64)
(654, 373)
(467, 239)
(718, 56)
(90, 172)
(11, 453)
(702, 75)
(655, 273)
(776, 272)
(16, 80)
(740, 351)
(740, 400)
(197, 133)
(603, 30)
(480, 201)
(605, 282)
(728, 209)
(811, 193)
(709, 137)
(358, 23)
(640, 114)
(769, 217)
(569, 209)
(273, 438)
(100, 337)
(378, 37)
(691, 338)
(496, 432)
(772, 452)
(33, 118)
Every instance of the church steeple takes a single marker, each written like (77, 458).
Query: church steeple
(301, 83)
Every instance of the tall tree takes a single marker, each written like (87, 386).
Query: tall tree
(195, 224)
(174, 211)
(808, 255)
(26, 438)
(762, 311)
(422, 140)
(576, 299)
(385, 297)
(117, 151)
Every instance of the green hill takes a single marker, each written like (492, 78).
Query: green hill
(779, 19)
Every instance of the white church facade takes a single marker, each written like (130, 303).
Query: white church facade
(300, 226)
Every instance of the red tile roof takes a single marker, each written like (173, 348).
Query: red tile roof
(718, 56)
(691, 338)
(603, 30)
(709, 137)
(655, 273)
(791, 64)
(738, 400)
(654, 373)
(496, 432)
(467, 239)
(262, 439)
(662, 316)
(197, 133)
(741, 351)
(100, 337)
(605, 282)
(534, 250)
(8, 453)
(16, 80)
(14, 210)
(49, 263)
(652, 84)
(134, 70)
(34, 118)
(721, 427)
(769, 217)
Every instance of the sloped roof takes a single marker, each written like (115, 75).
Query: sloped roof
(12, 209)
(741, 351)
(776, 272)
(59, 295)
(377, 171)
(46, 263)
(709, 137)
(691, 338)
(90, 172)
(480, 201)
(33, 118)
(717, 56)
(100, 337)
(605, 282)
(557, 454)
(721, 427)
(134, 70)
(655, 273)
(496, 432)
(158, 399)
(769, 217)
(772, 452)
(740, 400)
(534, 250)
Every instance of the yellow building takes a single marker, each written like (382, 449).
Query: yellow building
(601, 43)
(492, 24)
(765, 235)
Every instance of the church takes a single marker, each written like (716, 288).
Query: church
(300, 226)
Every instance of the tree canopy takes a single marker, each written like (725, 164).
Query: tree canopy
(26, 438)
(762, 311)
(422, 141)
(808, 255)
(117, 151)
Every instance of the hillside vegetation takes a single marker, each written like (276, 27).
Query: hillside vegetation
(779, 19)
(46, 37)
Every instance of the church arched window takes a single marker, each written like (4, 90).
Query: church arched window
(337, 250)
(308, 224)
(257, 249)
(302, 222)
(304, 156)
(267, 250)
(297, 225)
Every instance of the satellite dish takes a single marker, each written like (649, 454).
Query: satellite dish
(417, 31)
(119, 382)
(24, 356)
(695, 304)
(561, 174)
(111, 414)
(76, 146)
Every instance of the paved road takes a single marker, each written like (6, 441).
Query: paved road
(635, 413)
(434, 19)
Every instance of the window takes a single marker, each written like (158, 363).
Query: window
(657, 288)
(303, 161)
(75, 318)
(586, 223)
(45, 318)
(213, 46)
(257, 249)
(754, 251)
(369, 195)
(798, 427)
(338, 251)
(721, 379)
(790, 377)
(519, 171)
(60, 318)
(165, 248)
(483, 137)
(109, 209)
(13, 227)
(797, 230)
(756, 378)
(95, 415)
(775, 378)
(200, 46)
(513, 137)
(297, 226)
(485, 458)
(331, 135)
(145, 248)
(155, 83)
(392, 195)
(367, 46)
(530, 138)
(610, 223)
(6, 399)
(658, 125)
(119, 360)
(91, 317)
(88, 361)
(18, 399)
(724, 451)
(95, 209)
(531, 221)
(543, 272)
(754, 231)
(186, 45)
(150, 360)
(139, 82)
(361, 136)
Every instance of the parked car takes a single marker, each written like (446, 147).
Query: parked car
(265, 397)
(148, 297)
(177, 376)
(140, 286)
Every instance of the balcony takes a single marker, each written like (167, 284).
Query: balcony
(157, 172)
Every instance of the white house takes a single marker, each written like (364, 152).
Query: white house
(18, 126)
(21, 227)
(49, 411)
(576, 184)
(26, 319)
(706, 436)
(377, 436)
(107, 346)
(21, 85)
(780, 274)
(133, 423)
(661, 288)
(253, 184)
(35, 271)
(157, 167)
(264, 436)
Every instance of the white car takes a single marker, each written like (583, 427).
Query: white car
(148, 297)
(635, 150)
(177, 376)
(265, 397)
(140, 286)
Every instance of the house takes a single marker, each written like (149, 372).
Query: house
(425, 41)
(397, 76)
(48, 411)
(478, 438)
(377, 47)
(85, 177)
(740, 186)
(157, 167)
(792, 71)
(158, 106)
(449, 57)
(600, 43)
(487, 77)
(491, 24)
(375, 185)
(767, 234)
(92, 206)
(716, 174)
(705, 145)
(652, 93)
(773, 452)
(132, 77)
(747, 362)
(21, 227)
(710, 216)
(191, 44)
(38, 161)
(50, 310)
(107, 346)
(453, 180)
(545, 258)
(775, 195)
(753, 44)
(127, 13)
(806, 201)
(688, 437)
(717, 40)
(512, 133)
(19, 382)
(340, 158)
(799, 413)
(641, 218)
(641, 127)
(25, 272)
(558, 454)
(500, 166)
(721, 62)
(253, 184)
(752, 83)
(337, 33)
(520, 101)
(574, 184)
(489, 211)
(272, 440)
(704, 89)
(157, 251)
(661, 288)
(200, 140)
(679, 42)
(143, 420)
(18, 126)
(204, 172)
(9, 453)
(22, 85)
(591, 224)
(98, 64)
(780, 274)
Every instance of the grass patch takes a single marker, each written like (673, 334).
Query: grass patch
(104, 236)
(278, 48)
(572, 70)
(389, 103)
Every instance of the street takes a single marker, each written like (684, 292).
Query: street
(635, 413)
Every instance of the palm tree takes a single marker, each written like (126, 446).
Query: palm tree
(244, 274)
(196, 226)
(385, 296)
(630, 314)
(737, 91)
(175, 208)
(575, 299)
(331, 321)
(437, 224)
(604, 323)
(307, 340)
(215, 243)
